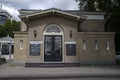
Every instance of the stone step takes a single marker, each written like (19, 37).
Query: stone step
(52, 64)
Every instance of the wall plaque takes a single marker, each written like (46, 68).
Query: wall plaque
(34, 48)
(71, 49)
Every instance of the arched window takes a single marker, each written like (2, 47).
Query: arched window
(52, 29)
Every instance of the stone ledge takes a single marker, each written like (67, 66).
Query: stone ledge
(97, 33)
(20, 32)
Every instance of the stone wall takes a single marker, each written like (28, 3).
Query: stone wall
(40, 24)
(23, 26)
(91, 31)
(91, 55)
(20, 54)
(92, 26)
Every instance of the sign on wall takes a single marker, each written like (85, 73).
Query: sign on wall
(71, 48)
(35, 48)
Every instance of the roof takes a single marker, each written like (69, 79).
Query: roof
(29, 14)
(4, 12)
(26, 11)
(7, 39)
(76, 12)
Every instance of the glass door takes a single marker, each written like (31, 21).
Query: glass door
(53, 48)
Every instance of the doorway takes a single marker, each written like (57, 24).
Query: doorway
(53, 48)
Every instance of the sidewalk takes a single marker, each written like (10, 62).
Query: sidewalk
(8, 70)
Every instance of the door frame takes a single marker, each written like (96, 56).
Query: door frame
(53, 46)
(53, 34)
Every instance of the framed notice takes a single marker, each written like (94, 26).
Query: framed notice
(34, 48)
(71, 49)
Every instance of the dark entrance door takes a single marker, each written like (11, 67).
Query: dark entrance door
(53, 48)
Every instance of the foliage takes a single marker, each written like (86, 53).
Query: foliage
(104, 5)
(9, 27)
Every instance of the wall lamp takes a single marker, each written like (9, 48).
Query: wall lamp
(70, 34)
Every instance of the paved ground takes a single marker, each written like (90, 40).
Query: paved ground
(12, 71)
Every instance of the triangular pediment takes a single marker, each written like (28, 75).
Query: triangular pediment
(50, 12)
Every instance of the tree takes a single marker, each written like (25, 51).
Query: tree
(103, 5)
(9, 27)
(113, 24)
(112, 8)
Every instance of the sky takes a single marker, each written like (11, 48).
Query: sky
(12, 6)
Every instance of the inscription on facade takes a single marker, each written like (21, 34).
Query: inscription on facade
(34, 48)
(70, 49)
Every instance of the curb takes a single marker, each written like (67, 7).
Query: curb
(60, 76)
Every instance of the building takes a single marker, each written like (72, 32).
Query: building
(63, 36)
(4, 16)
(6, 47)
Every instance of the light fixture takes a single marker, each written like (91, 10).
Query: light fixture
(70, 34)
(35, 33)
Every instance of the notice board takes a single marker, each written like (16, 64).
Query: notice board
(35, 49)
